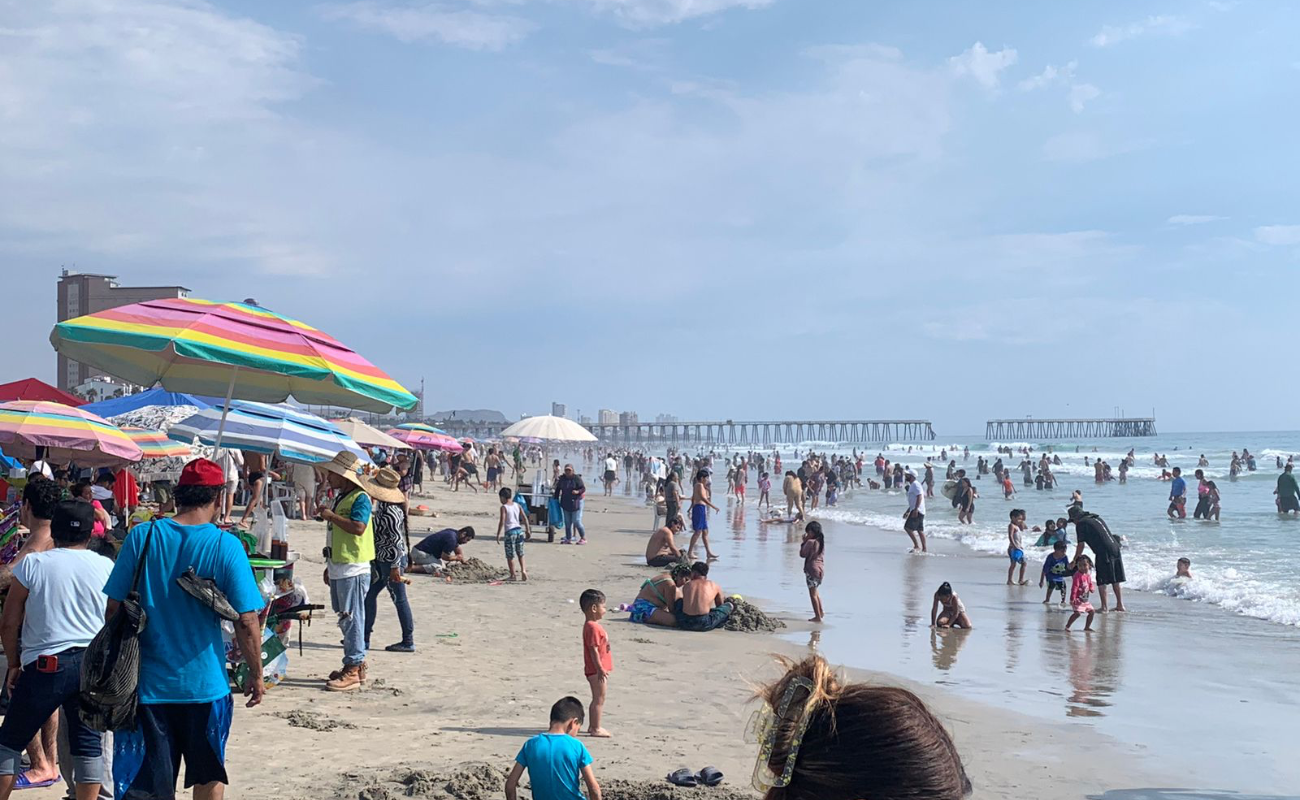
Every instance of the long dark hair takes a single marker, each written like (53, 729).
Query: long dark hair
(861, 741)
(814, 529)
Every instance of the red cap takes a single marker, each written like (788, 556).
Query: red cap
(202, 472)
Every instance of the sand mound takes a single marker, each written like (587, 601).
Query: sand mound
(651, 790)
(474, 571)
(311, 720)
(751, 619)
(478, 781)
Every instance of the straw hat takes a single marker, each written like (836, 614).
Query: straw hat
(383, 486)
(348, 466)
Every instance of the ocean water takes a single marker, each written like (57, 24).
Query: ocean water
(1245, 564)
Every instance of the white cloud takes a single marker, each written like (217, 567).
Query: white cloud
(668, 12)
(982, 65)
(1050, 76)
(1088, 146)
(1081, 94)
(1278, 234)
(1161, 25)
(644, 55)
(1193, 219)
(439, 21)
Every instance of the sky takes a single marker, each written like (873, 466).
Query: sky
(718, 209)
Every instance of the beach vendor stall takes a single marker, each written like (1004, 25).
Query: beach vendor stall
(238, 351)
(547, 430)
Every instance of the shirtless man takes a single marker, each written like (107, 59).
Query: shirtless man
(662, 550)
(257, 475)
(700, 607)
(658, 596)
(793, 490)
(701, 502)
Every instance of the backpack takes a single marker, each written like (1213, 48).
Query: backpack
(110, 668)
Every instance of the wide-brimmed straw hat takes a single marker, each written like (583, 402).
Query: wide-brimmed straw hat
(347, 465)
(383, 486)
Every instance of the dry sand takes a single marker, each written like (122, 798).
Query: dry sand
(675, 699)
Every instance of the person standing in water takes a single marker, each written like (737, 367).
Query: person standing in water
(1288, 493)
(1177, 496)
(914, 517)
(701, 502)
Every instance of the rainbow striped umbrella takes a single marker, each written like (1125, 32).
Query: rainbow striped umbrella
(155, 444)
(420, 426)
(424, 440)
(232, 349)
(64, 433)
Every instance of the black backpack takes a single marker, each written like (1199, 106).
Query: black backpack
(110, 669)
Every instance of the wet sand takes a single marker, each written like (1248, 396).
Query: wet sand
(676, 699)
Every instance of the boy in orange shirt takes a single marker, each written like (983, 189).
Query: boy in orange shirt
(597, 661)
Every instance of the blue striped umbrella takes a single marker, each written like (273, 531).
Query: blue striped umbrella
(272, 429)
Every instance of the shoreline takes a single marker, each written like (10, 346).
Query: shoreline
(676, 698)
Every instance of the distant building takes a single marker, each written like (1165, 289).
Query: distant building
(82, 293)
(607, 417)
(584, 420)
(665, 419)
(558, 410)
(102, 387)
(627, 418)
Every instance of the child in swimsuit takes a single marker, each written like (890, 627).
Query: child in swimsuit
(764, 486)
(1080, 591)
(954, 611)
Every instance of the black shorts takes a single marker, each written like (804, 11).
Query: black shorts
(254, 477)
(915, 523)
(1110, 570)
(470, 469)
(610, 475)
(168, 733)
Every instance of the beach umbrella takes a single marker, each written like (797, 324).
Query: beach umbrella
(155, 444)
(157, 396)
(550, 429)
(235, 350)
(420, 426)
(60, 433)
(422, 440)
(365, 434)
(271, 429)
(32, 389)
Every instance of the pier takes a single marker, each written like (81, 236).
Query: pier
(1052, 429)
(756, 434)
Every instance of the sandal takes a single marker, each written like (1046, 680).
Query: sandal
(710, 776)
(683, 777)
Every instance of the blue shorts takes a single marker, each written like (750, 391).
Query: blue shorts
(699, 517)
(147, 760)
(1016, 556)
(641, 610)
(514, 543)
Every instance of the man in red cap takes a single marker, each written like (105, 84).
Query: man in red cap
(184, 693)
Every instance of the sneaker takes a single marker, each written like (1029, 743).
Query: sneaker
(566, 540)
(349, 679)
(401, 647)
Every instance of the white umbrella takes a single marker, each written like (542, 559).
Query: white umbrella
(550, 429)
(363, 433)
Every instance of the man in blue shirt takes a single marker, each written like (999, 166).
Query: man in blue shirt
(1178, 496)
(556, 759)
(185, 703)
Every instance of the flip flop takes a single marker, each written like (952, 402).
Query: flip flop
(710, 776)
(683, 777)
(23, 782)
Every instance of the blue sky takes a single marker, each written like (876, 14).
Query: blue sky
(712, 208)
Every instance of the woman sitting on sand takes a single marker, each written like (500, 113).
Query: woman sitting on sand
(823, 740)
(654, 603)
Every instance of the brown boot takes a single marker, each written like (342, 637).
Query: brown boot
(348, 680)
(362, 667)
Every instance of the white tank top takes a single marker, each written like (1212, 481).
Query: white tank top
(513, 512)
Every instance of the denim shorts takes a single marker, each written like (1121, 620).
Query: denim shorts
(514, 543)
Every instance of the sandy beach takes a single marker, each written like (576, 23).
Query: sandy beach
(676, 699)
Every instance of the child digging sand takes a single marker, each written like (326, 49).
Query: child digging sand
(1080, 591)
(597, 661)
(515, 524)
(555, 759)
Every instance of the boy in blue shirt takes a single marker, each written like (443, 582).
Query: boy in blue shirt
(555, 759)
(1056, 568)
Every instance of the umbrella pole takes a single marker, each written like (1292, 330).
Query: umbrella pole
(225, 407)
